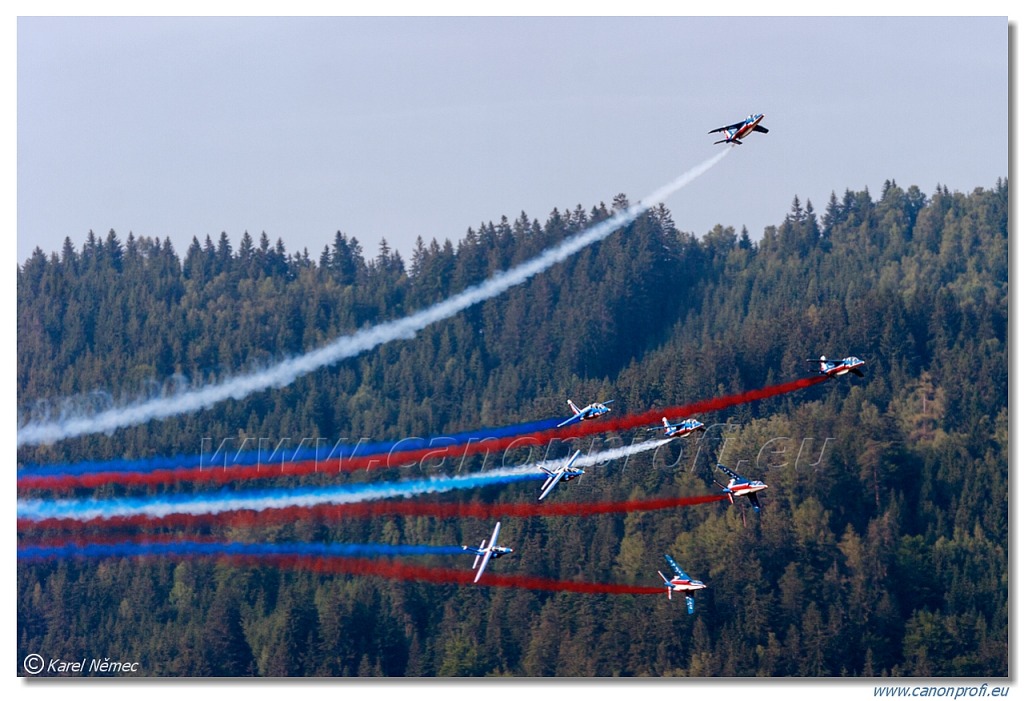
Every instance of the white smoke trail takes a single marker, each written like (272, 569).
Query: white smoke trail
(290, 370)
(258, 500)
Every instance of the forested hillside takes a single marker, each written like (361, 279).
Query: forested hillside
(881, 549)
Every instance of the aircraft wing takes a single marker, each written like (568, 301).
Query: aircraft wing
(556, 475)
(729, 472)
(676, 568)
(550, 484)
(479, 552)
(760, 129)
(483, 566)
(490, 551)
(570, 419)
(857, 372)
(755, 501)
(494, 538)
(729, 127)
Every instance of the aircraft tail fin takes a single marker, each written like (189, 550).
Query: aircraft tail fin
(668, 586)
(728, 492)
(664, 420)
(575, 409)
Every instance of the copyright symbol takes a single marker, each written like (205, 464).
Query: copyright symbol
(33, 663)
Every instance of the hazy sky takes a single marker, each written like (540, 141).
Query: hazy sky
(398, 127)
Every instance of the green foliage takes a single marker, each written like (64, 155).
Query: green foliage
(883, 543)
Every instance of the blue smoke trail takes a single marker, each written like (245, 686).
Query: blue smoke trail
(278, 498)
(286, 372)
(187, 547)
(321, 453)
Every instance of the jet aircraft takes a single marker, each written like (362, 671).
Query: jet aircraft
(564, 473)
(681, 582)
(740, 130)
(487, 551)
(835, 368)
(678, 430)
(741, 487)
(590, 411)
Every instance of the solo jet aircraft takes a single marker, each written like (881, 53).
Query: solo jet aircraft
(741, 487)
(590, 411)
(487, 551)
(681, 582)
(683, 428)
(835, 368)
(565, 473)
(740, 130)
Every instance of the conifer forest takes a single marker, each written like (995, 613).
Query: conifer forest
(881, 547)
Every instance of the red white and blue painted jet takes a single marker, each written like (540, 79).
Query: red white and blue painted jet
(678, 430)
(835, 368)
(590, 411)
(681, 582)
(740, 130)
(564, 473)
(486, 551)
(741, 487)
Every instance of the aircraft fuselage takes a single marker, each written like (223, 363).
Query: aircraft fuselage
(742, 490)
(746, 129)
(839, 369)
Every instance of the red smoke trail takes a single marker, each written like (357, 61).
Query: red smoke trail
(335, 512)
(220, 475)
(110, 539)
(397, 570)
